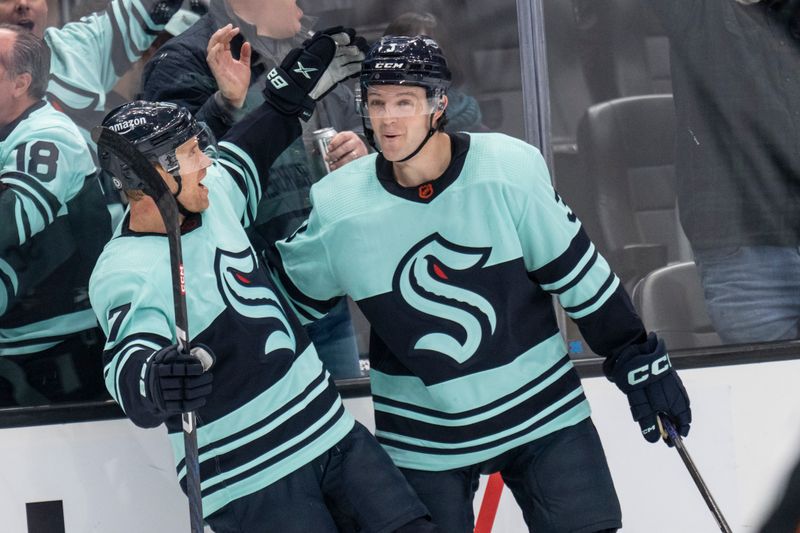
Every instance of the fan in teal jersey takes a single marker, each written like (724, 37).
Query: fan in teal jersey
(452, 245)
(277, 450)
(54, 227)
(89, 56)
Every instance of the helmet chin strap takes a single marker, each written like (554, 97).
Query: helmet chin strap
(181, 209)
(431, 131)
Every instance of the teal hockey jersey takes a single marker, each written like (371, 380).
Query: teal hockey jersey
(89, 56)
(273, 407)
(54, 226)
(455, 277)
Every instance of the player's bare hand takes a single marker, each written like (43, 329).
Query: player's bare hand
(344, 147)
(232, 75)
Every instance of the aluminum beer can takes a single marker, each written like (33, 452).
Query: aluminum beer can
(322, 138)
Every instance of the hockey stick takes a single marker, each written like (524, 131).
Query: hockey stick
(155, 187)
(670, 434)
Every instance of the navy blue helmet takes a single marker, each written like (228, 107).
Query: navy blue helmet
(402, 60)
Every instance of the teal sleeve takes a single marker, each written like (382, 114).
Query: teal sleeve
(105, 44)
(136, 320)
(556, 250)
(302, 268)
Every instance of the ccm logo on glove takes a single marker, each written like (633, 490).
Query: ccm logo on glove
(659, 366)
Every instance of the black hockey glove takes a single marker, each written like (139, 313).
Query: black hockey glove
(176, 383)
(163, 10)
(308, 73)
(644, 373)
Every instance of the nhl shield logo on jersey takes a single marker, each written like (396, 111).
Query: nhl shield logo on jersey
(427, 279)
(243, 290)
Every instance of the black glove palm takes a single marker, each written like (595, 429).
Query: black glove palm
(178, 383)
(308, 73)
(644, 373)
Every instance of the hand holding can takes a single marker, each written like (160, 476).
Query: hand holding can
(344, 147)
(322, 138)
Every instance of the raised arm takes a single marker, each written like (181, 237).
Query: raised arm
(292, 89)
(104, 45)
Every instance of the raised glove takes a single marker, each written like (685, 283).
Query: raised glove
(644, 373)
(308, 73)
(177, 383)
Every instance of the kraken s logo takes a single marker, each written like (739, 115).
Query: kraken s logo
(242, 291)
(423, 279)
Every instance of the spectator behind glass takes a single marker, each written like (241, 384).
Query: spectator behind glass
(180, 73)
(129, 86)
(463, 111)
(734, 65)
(54, 226)
(89, 56)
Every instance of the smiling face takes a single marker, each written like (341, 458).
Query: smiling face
(401, 117)
(30, 14)
(193, 164)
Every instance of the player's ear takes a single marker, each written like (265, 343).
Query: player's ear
(440, 108)
(22, 83)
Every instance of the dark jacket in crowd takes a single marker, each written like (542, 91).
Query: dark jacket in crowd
(737, 97)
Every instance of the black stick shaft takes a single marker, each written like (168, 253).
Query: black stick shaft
(157, 189)
(169, 210)
(676, 439)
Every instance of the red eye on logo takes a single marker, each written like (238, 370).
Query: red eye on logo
(425, 191)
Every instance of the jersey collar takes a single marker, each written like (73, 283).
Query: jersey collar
(190, 224)
(428, 191)
(8, 128)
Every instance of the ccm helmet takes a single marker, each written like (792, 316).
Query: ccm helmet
(404, 60)
(156, 129)
(401, 60)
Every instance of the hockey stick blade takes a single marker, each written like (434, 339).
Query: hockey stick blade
(155, 187)
(670, 434)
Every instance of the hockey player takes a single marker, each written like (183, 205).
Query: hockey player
(54, 227)
(277, 450)
(452, 245)
(181, 73)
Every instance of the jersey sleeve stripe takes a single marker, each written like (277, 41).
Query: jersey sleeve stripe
(138, 24)
(119, 355)
(582, 266)
(558, 268)
(297, 296)
(596, 301)
(251, 186)
(241, 185)
(119, 55)
(23, 225)
(47, 203)
(10, 283)
(144, 9)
